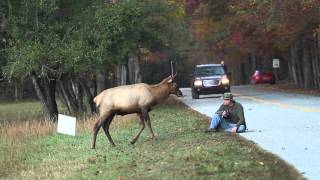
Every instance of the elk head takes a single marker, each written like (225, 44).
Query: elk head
(174, 89)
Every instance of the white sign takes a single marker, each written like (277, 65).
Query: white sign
(276, 63)
(66, 125)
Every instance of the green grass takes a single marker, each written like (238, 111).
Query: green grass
(182, 151)
(23, 111)
(19, 111)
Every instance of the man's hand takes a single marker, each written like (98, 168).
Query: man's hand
(234, 130)
(224, 113)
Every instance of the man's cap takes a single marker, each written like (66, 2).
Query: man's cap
(227, 96)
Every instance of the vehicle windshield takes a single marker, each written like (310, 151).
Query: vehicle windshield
(209, 71)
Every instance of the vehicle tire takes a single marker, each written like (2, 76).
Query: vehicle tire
(195, 95)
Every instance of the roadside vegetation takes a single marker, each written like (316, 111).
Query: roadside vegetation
(182, 151)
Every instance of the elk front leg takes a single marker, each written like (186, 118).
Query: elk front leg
(142, 128)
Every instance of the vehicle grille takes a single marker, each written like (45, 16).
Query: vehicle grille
(211, 82)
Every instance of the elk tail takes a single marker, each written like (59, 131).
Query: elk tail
(97, 99)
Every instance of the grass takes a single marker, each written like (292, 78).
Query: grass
(182, 151)
(20, 111)
(23, 111)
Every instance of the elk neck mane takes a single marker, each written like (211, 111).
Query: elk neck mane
(160, 91)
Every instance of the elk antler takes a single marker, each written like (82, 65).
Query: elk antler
(171, 69)
(174, 76)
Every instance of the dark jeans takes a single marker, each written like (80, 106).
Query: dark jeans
(218, 120)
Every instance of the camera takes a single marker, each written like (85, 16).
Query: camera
(227, 114)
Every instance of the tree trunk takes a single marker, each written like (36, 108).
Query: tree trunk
(50, 89)
(63, 99)
(40, 94)
(16, 91)
(306, 64)
(70, 101)
(89, 97)
(314, 60)
(121, 74)
(299, 64)
(46, 94)
(248, 67)
(253, 62)
(290, 78)
(243, 73)
(134, 69)
(78, 94)
(236, 74)
(101, 82)
(293, 60)
(318, 59)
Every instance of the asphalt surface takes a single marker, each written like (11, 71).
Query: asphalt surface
(284, 124)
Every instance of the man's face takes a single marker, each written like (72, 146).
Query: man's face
(226, 102)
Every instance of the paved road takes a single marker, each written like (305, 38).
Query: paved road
(286, 124)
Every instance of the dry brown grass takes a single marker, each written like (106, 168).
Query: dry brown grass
(26, 130)
(37, 128)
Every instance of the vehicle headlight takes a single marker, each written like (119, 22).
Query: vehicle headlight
(225, 80)
(197, 83)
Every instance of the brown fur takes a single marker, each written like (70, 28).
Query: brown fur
(128, 99)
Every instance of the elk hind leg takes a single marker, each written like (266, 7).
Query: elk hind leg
(106, 127)
(101, 120)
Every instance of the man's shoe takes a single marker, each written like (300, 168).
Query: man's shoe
(210, 130)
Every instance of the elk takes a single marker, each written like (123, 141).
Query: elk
(129, 99)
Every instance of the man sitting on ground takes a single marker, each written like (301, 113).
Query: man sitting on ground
(229, 116)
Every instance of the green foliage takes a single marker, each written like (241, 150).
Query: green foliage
(26, 57)
(118, 29)
(81, 37)
(33, 40)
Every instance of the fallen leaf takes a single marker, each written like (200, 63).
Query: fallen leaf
(92, 160)
(120, 178)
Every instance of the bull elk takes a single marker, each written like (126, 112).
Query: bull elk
(129, 99)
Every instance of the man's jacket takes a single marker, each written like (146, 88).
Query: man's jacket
(236, 114)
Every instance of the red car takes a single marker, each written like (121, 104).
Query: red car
(262, 77)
